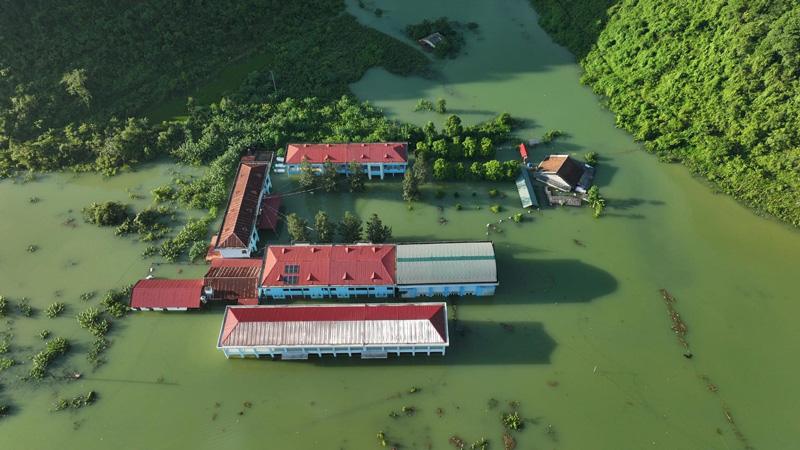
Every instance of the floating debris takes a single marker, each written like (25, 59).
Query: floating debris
(578, 243)
(508, 328)
(552, 383)
(508, 441)
(457, 442)
(679, 328)
(439, 411)
(442, 221)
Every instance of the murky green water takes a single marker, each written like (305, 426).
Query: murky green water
(591, 352)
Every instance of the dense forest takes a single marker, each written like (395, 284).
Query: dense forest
(715, 85)
(73, 74)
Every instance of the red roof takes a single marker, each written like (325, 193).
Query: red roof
(212, 254)
(248, 301)
(330, 265)
(522, 150)
(234, 278)
(154, 293)
(361, 324)
(380, 152)
(241, 213)
(268, 217)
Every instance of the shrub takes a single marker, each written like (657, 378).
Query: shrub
(458, 207)
(495, 208)
(3, 306)
(591, 158)
(518, 218)
(493, 193)
(43, 334)
(512, 421)
(109, 213)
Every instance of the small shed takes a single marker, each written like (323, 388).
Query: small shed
(431, 40)
(525, 188)
(166, 295)
(523, 151)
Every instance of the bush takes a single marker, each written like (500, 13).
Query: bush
(518, 218)
(458, 207)
(493, 193)
(495, 208)
(53, 349)
(109, 213)
(115, 305)
(512, 421)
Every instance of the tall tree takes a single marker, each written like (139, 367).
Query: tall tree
(307, 178)
(452, 126)
(350, 228)
(410, 186)
(357, 177)
(441, 106)
(420, 170)
(330, 177)
(377, 231)
(298, 228)
(324, 228)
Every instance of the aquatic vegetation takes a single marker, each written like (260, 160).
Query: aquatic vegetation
(481, 444)
(3, 306)
(6, 362)
(492, 403)
(53, 349)
(26, 309)
(4, 410)
(408, 410)
(33, 199)
(509, 443)
(679, 327)
(552, 134)
(106, 214)
(114, 301)
(43, 334)
(591, 158)
(495, 208)
(458, 207)
(90, 319)
(86, 296)
(149, 251)
(100, 343)
(493, 193)
(198, 250)
(382, 438)
(596, 200)
(32, 248)
(458, 442)
(423, 105)
(163, 193)
(518, 218)
(414, 390)
(512, 421)
(76, 402)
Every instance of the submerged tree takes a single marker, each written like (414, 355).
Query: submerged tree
(420, 170)
(441, 106)
(330, 177)
(324, 228)
(357, 177)
(108, 213)
(596, 200)
(350, 228)
(442, 170)
(376, 231)
(307, 178)
(298, 228)
(410, 187)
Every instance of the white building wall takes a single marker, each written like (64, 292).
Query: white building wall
(368, 351)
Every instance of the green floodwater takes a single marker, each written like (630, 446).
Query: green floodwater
(591, 352)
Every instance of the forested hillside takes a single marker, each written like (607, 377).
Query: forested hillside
(715, 85)
(73, 73)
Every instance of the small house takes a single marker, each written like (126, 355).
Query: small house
(429, 42)
(564, 173)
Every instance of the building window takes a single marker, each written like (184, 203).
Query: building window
(291, 268)
(290, 279)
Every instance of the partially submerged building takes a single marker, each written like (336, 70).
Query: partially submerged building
(429, 42)
(238, 234)
(166, 295)
(446, 268)
(233, 279)
(369, 330)
(328, 271)
(378, 159)
(564, 173)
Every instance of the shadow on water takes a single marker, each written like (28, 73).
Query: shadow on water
(549, 280)
(471, 343)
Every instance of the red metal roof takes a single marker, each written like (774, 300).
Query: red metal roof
(154, 293)
(379, 152)
(331, 265)
(268, 217)
(212, 254)
(242, 206)
(234, 278)
(523, 151)
(362, 324)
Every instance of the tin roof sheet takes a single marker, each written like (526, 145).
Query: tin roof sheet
(233, 279)
(446, 263)
(336, 325)
(152, 293)
(376, 152)
(240, 216)
(330, 265)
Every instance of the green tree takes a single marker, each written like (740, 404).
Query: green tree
(442, 169)
(441, 106)
(307, 177)
(430, 131)
(470, 147)
(476, 171)
(596, 200)
(75, 83)
(452, 126)
(350, 228)
(330, 177)
(298, 228)
(440, 148)
(487, 148)
(493, 170)
(420, 170)
(423, 105)
(324, 228)
(108, 213)
(357, 177)
(198, 250)
(511, 169)
(376, 231)
(410, 186)
(459, 171)
(591, 158)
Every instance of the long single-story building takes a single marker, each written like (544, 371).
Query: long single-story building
(373, 331)
(377, 158)
(328, 271)
(166, 295)
(446, 268)
(238, 235)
